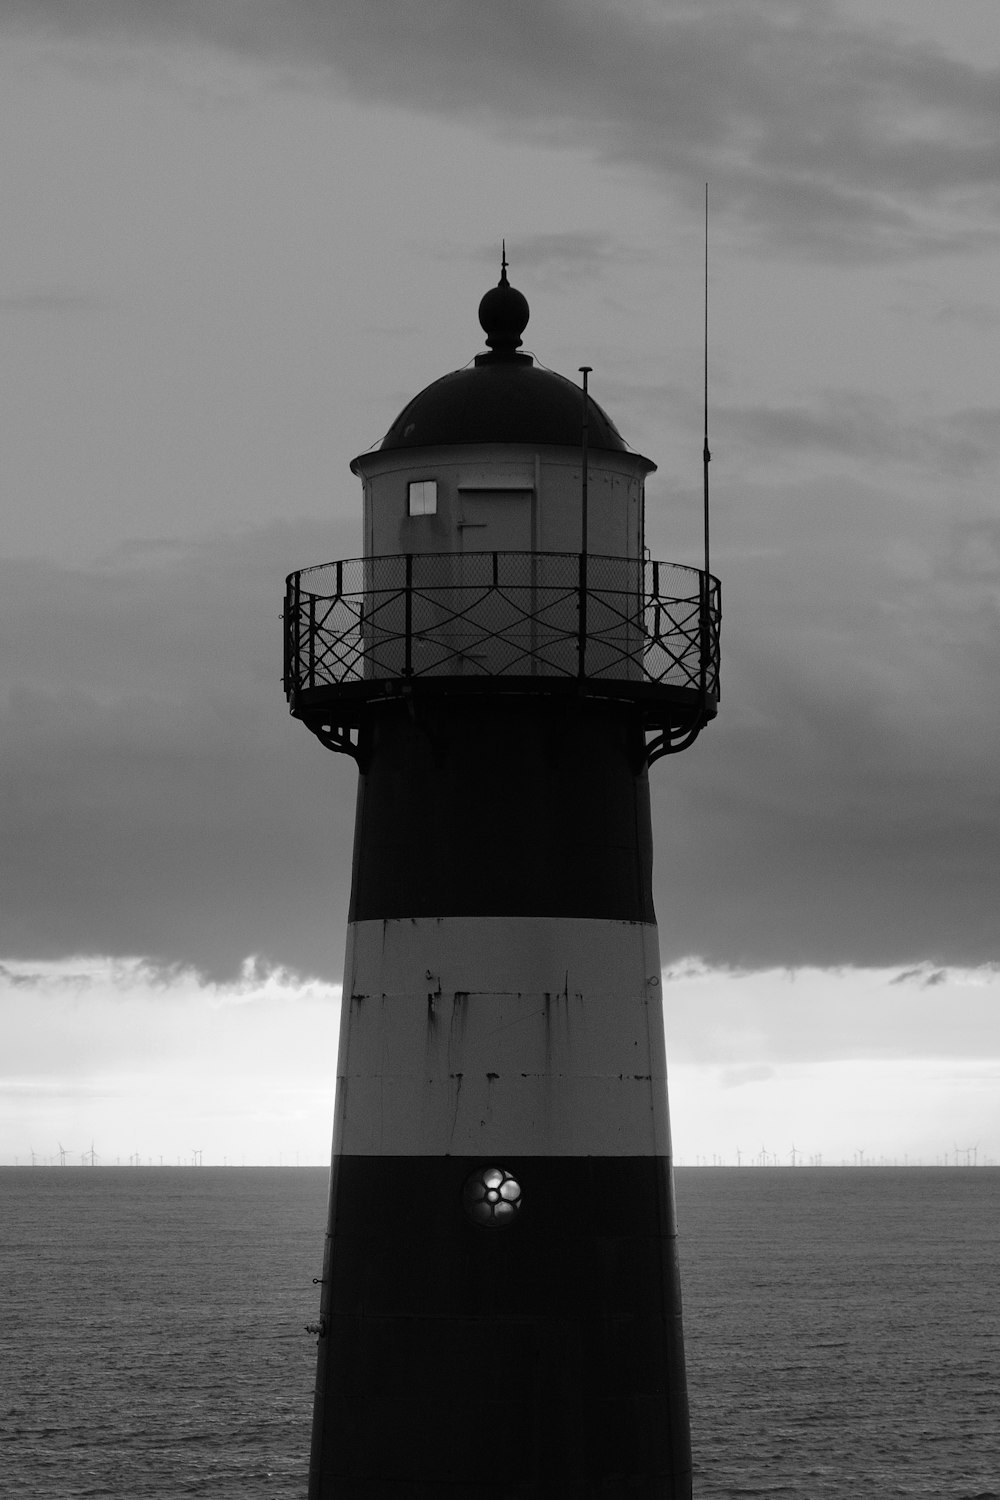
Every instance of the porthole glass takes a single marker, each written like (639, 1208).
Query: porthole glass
(491, 1197)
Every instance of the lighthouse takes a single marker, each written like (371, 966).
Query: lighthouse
(500, 1303)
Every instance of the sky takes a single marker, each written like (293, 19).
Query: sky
(238, 238)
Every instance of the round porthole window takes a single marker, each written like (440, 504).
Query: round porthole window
(491, 1197)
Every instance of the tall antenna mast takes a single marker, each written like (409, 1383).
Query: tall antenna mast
(706, 455)
(704, 623)
(585, 370)
(581, 645)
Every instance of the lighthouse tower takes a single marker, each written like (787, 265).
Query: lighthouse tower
(500, 1310)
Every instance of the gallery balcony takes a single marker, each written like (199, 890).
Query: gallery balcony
(364, 629)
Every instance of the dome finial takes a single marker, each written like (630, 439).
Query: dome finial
(503, 313)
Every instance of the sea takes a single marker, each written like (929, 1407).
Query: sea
(842, 1330)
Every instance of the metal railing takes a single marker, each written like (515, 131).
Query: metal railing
(502, 614)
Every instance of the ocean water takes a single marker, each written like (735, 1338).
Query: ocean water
(843, 1331)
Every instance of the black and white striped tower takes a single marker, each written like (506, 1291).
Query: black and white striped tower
(500, 1309)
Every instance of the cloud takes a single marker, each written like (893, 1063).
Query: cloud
(865, 430)
(155, 798)
(843, 806)
(923, 975)
(150, 1061)
(125, 977)
(750, 1024)
(136, 1058)
(883, 1111)
(823, 135)
(981, 316)
(51, 300)
(551, 260)
(735, 1078)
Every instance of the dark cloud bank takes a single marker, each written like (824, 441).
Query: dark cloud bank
(822, 134)
(157, 800)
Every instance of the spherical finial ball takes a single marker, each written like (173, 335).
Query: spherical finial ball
(504, 315)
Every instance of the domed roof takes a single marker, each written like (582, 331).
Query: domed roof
(503, 397)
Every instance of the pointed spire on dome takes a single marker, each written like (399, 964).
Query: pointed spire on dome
(504, 314)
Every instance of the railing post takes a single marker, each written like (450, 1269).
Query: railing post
(651, 596)
(297, 627)
(704, 637)
(312, 641)
(288, 617)
(581, 642)
(408, 618)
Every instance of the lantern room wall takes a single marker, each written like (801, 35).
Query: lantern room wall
(503, 498)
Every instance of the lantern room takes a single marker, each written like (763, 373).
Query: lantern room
(489, 459)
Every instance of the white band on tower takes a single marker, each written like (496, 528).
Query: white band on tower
(534, 1036)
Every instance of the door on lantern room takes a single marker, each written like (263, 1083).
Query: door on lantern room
(494, 521)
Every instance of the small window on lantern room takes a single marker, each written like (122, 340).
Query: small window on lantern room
(423, 497)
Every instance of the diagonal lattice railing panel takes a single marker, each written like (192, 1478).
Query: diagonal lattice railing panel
(498, 614)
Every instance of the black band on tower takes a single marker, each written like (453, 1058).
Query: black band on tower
(543, 1358)
(504, 807)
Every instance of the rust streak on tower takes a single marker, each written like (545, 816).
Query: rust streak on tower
(500, 1309)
